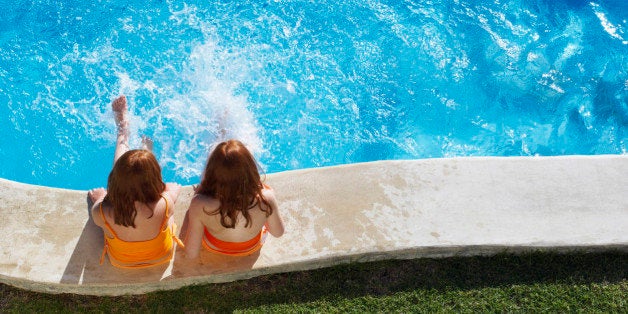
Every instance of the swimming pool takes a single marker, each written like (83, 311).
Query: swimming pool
(308, 83)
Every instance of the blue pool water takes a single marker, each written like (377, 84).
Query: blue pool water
(308, 83)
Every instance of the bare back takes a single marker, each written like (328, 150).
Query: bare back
(147, 227)
(203, 214)
(240, 233)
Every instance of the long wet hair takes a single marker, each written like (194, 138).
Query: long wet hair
(232, 177)
(136, 176)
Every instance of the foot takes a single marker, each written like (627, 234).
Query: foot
(119, 113)
(222, 128)
(147, 143)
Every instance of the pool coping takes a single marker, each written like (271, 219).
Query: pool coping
(403, 209)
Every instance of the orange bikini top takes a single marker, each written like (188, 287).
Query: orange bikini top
(139, 254)
(216, 245)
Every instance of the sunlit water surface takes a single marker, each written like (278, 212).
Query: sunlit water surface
(307, 83)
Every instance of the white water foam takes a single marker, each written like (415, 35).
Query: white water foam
(182, 104)
(209, 106)
(613, 30)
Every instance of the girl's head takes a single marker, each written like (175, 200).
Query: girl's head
(232, 177)
(136, 176)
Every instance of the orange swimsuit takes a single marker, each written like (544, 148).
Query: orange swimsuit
(216, 245)
(138, 254)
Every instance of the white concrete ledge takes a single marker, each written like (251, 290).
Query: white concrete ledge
(335, 215)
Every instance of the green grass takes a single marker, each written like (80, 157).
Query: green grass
(536, 282)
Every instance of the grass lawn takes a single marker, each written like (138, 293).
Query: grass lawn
(535, 282)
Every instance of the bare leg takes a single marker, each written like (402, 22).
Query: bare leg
(221, 126)
(122, 124)
(147, 143)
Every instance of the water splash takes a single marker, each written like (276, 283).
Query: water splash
(209, 104)
(308, 85)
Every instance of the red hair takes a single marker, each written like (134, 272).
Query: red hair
(136, 176)
(232, 177)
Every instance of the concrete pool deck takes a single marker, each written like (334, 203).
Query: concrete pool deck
(352, 213)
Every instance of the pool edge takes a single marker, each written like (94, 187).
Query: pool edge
(381, 192)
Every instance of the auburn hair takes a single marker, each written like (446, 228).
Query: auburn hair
(232, 177)
(136, 176)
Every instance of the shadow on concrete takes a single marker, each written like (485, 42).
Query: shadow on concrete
(82, 266)
(209, 264)
(84, 263)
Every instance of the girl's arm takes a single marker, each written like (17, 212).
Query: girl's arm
(193, 226)
(172, 193)
(97, 196)
(274, 222)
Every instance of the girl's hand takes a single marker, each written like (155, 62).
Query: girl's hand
(173, 187)
(96, 194)
(173, 190)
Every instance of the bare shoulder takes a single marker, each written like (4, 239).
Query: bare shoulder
(164, 203)
(200, 204)
(97, 216)
(167, 201)
(268, 194)
(269, 197)
(274, 221)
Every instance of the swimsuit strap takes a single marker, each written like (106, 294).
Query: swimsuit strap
(175, 237)
(102, 215)
(165, 221)
(106, 246)
(174, 226)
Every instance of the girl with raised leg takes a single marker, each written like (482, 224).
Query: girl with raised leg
(135, 212)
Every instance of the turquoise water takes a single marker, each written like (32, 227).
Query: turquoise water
(308, 83)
